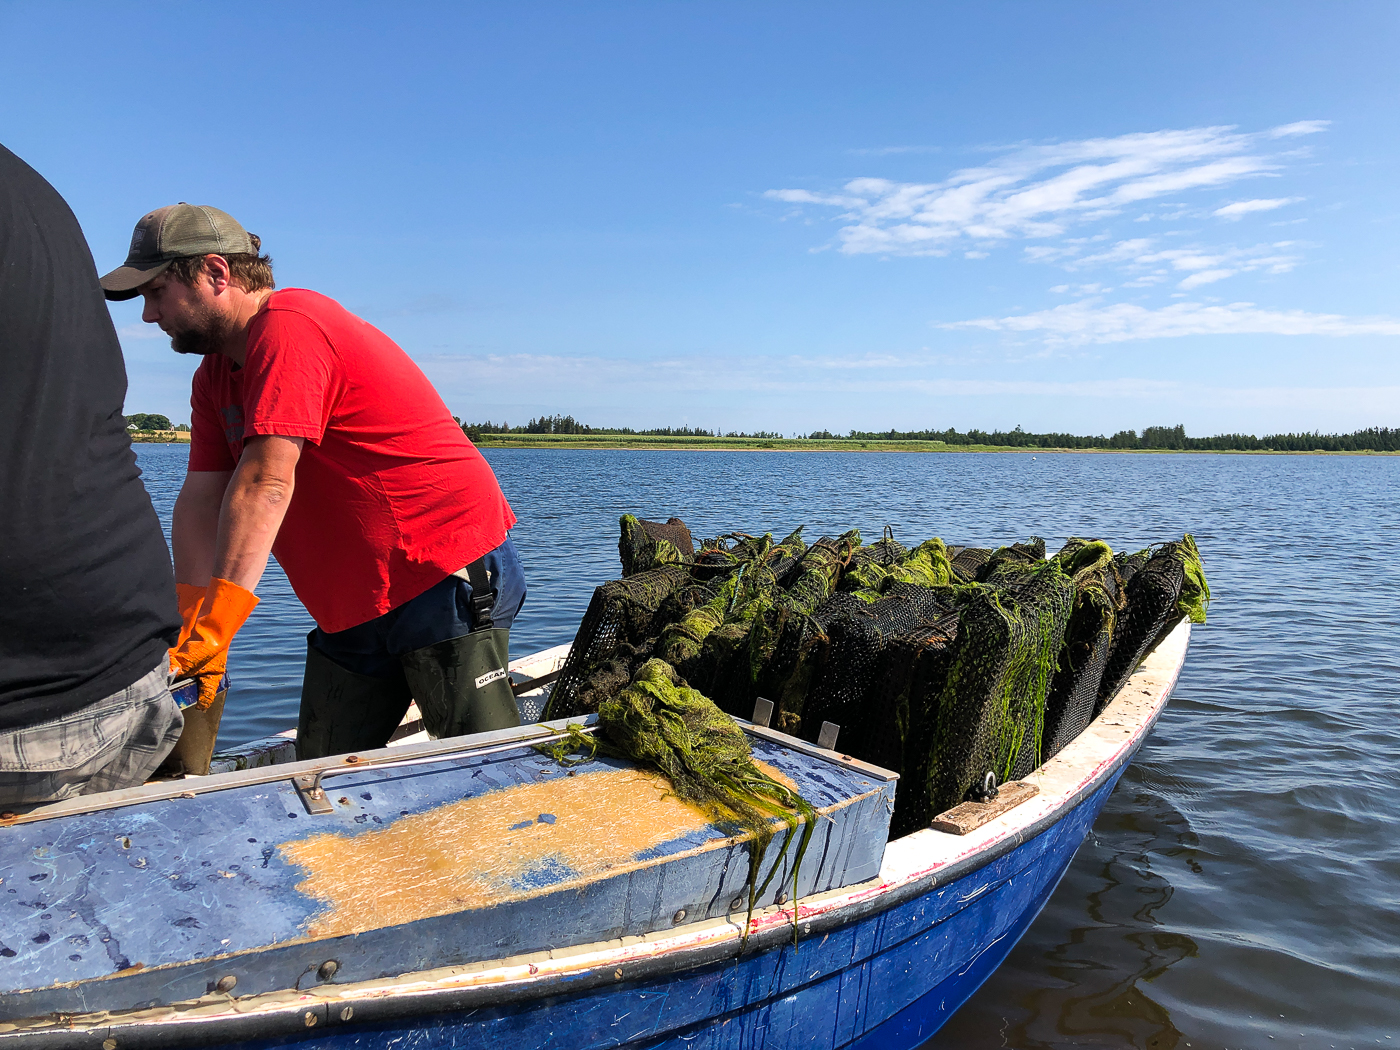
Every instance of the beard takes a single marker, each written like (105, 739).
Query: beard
(203, 335)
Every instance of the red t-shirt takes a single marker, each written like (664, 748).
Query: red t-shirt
(390, 496)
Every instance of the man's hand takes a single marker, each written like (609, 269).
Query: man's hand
(209, 627)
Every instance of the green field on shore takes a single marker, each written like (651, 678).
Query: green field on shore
(672, 443)
(161, 437)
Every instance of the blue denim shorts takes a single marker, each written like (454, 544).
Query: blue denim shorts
(439, 614)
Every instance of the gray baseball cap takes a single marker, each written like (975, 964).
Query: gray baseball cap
(178, 231)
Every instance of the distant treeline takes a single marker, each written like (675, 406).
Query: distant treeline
(570, 425)
(152, 421)
(1372, 439)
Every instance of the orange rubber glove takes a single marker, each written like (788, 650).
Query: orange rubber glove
(188, 599)
(209, 627)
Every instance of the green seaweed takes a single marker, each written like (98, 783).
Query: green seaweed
(661, 722)
(1195, 591)
(640, 551)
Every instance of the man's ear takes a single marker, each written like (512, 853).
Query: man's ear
(217, 272)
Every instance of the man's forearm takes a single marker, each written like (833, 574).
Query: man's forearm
(252, 514)
(195, 525)
(254, 505)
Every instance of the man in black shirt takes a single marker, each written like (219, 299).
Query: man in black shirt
(87, 595)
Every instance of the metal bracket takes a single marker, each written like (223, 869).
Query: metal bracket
(827, 737)
(312, 795)
(762, 712)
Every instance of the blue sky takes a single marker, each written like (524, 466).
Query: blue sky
(1067, 216)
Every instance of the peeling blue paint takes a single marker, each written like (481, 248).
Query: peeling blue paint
(190, 890)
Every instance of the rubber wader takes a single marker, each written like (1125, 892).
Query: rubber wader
(195, 748)
(342, 711)
(462, 685)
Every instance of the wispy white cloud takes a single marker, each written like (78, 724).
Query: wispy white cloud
(1042, 191)
(1240, 209)
(1201, 265)
(1298, 127)
(141, 330)
(806, 197)
(1138, 250)
(1201, 277)
(1089, 321)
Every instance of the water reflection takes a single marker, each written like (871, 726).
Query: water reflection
(1091, 988)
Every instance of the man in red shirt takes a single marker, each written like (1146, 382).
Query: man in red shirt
(317, 439)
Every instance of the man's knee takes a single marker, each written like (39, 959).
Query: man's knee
(343, 711)
(463, 685)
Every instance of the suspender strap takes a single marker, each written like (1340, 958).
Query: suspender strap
(483, 598)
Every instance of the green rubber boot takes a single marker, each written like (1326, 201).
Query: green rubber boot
(462, 685)
(343, 712)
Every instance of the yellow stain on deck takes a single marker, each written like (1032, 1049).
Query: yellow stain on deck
(464, 855)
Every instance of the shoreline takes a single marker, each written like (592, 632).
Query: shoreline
(635, 443)
(159, 437)
(632, 443)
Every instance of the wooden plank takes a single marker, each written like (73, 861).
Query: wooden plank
(535, 683)
(969, 816)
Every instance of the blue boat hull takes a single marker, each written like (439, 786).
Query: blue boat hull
(886, 981)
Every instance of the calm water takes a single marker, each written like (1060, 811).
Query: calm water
(1242, 887)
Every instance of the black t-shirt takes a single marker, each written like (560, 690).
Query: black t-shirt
(87, 594)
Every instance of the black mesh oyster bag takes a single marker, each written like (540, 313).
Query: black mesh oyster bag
(886, 550)
(615, 637)
(724, 669)
(798, 656)
(1087, 644)
(869, 564)
(847, 687)
(1029, 553)
(915, 670)
(785, 556)
(1051, 596)
(927, 565)
(1128, 565)
(714, 560)
(813, 578)
(1170, 586)
(785, 640)
(724, 645)
(683, 632)
(990, 714)
(645, 545)
(967, 560)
